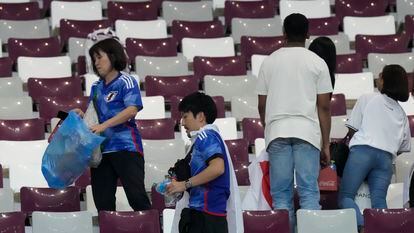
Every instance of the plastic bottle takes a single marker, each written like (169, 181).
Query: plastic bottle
(161, 188)
(332, 165)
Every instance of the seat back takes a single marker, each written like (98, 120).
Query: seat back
(377, 61)
(54, 87)
(326, 221)
(154, 108)
(71, 222)
(14, 221)
(255, 27)
(14, 10)
(156, 129)
(187, 11)
(349, 63)
(22, 130)
(44, 47)
(131, 11)
(43, 67)
(196, 29)
(323, 26)
(6, 200)
(6, 65)
(147, 221)
(310, 9)
(244, 106)
(354, 85)
(250, 45)
(38, 28)
(10, 87)
(19, 173)
(79, 28)
(252, 129)
(16, 108)
(165, 47)
(378, 25)
(89, 10)
(341, 42)
(209, 47)
(226, 66)
(266, 221)
(161, 66)
(148, 29)
(170, 86)
(247, 9)
(388, 220)
(397, 43)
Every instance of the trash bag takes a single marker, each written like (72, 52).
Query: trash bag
(91, 118)
(68, 154)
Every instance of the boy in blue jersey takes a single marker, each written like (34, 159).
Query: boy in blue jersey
(209, 185)
(117, 100)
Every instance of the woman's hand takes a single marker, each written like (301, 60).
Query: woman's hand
(175, 187)
(98, 128)
(79, 112)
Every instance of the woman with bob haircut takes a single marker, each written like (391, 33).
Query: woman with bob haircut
(117, 99)
(379, 131)
(325, 48)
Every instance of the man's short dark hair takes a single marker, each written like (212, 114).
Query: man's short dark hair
(115, 53)
(395, 83)
(199, 102)
(296, 27)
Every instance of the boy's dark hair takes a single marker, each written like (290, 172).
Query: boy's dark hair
(115, 53)
(296, 27)
(395, 82)
(325, 49)
(199, 102)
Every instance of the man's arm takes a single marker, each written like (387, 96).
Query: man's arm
(323, 105)
(262, 108)
(214, 169)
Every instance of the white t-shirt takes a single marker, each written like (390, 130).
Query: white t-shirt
(381, 123)
(291, 78)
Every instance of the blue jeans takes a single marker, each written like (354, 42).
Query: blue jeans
(285, 155)
(365, 162)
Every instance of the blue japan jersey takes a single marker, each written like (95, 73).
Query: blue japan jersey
(111, 99)
(211, 197)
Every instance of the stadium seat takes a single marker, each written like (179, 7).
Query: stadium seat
(239, 150)
(147, 221)
(157, 201)
(19, 173)
(14, 108)
(50, 106)
(7, 202)
(166, 47)
(19, 10)
(327, 221)
(167, 220)
(50, 200)
(147, 29)
(252, 129)
(397, 43)
(12, 220)
(196, 29)
(354, 85)
(259, 145)
(43, 67)
(257, 61)
(160, 155)
(223, 66)
(161, 66)
(79, 28)
(377, 61)
(45, 47)
(403, 8)
(388, 220)
(6, 65)
(209, 47)
(310, 9)
(170, 86)
(227, 127)
(266, 221)
(241, 170)
(121, 201)
(22, 130)
(341, 42)
(70, 222)
(54, 87)
(260, 27)
(338, 128)
(379, 25)
(131, 11)
(338, 105)
(76, 48)
(247, 9)
(156, 129)
(244, 106)
(349, 63)
(323, 26)
(89, 10)
(266, 45)
(187, 11)
(359, 8)
(154, 108)
(38, 28)
(10, 87)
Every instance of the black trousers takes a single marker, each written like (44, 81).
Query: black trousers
(194, 221)
(129, 168)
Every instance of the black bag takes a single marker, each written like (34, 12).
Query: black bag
(182, 170)
(339, 153)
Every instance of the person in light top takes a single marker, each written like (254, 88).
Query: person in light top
(379, 129)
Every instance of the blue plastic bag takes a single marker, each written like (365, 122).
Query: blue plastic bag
(68, 154)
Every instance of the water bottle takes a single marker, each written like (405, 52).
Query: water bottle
(332, 165)
(161, 188)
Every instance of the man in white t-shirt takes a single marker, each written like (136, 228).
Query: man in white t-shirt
(294, 104)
